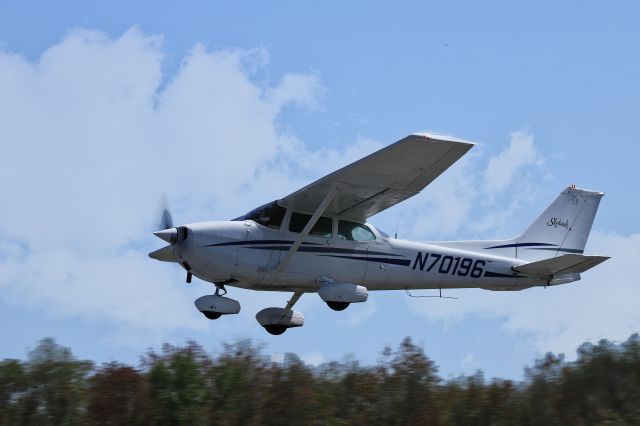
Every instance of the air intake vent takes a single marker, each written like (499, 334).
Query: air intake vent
(183, 233)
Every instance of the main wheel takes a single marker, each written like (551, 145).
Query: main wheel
(276, 330)
(212, 315)
(338, 306)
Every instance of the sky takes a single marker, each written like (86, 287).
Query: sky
(109, 108)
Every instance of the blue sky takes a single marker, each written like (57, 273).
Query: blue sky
(103, 104)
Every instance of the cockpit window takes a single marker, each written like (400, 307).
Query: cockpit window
(322, 228)
(352, 231)
(269, 215)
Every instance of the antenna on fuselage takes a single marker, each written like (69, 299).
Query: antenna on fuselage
(440, 296)
(398, 226)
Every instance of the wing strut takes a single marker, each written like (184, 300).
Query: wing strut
(291, 302)
(305, 231)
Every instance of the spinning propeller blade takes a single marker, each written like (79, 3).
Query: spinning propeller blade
(167, 221)
(167, 232)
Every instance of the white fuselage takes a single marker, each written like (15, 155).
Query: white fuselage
(246, 254)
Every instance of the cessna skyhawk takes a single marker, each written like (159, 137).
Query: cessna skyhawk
(317, 240)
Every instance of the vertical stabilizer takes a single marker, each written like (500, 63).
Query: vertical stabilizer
(562, 228)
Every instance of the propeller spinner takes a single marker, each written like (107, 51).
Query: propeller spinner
(167, 232)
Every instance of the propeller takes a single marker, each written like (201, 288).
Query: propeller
(167, 232)
(166, 221)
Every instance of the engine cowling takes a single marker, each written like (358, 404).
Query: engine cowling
(217, 304)
(343, 292)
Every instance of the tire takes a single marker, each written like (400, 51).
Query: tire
(276, 330)
(212, 315)
(338, 306)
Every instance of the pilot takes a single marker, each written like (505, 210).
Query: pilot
(264, 218)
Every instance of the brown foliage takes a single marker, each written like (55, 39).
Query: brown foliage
(185, 385)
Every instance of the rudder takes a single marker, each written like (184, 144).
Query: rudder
(562, 228)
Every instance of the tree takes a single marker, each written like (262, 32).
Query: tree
(177, 385)
(55, 386)
(13, 383)
(410, 391)
(240, 386)
(238, 381)
(118, 395)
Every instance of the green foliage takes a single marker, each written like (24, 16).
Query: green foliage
(240, 386)
(48, 389)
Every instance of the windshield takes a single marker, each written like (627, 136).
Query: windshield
(269, 215)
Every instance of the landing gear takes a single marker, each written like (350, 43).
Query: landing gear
(277, 320)
(212, 315)
(215, 305)
(338, 306)
(338, 296)
(215, 315)
(219, 288)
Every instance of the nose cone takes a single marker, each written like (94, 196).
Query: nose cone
(169, 235)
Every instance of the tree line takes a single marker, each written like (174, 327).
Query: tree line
(184, 385)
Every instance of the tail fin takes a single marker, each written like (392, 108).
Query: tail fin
(562, 228)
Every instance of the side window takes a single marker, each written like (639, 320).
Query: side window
(352, 231)
(322, 228)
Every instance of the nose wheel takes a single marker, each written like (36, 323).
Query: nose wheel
(212, 315)
(220, 291)
(215, 305)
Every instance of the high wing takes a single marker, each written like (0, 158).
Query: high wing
(382, 179)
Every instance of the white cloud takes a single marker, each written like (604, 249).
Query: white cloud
(502, 168)
(358, 313)
(93, 135)
(298, 89)
(464, 198)
(604, 304)
(448, 204)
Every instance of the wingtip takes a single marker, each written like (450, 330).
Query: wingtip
(440, 137)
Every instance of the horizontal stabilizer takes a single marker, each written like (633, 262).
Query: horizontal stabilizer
(164, 254)
(567, 264)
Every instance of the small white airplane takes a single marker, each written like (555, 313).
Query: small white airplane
(317, 240)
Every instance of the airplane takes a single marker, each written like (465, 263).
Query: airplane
(318, 240)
